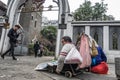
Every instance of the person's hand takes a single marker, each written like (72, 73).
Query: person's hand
(20, 33)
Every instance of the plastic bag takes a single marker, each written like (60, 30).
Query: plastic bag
(73, 56)
(102, 68)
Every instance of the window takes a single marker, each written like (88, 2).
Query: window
(114, 41)
(114, 38)
(96, 36)
(96, 32)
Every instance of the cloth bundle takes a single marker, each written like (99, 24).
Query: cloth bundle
(85, 52)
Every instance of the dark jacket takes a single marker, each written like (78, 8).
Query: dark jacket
(12, 34)
(36, 46)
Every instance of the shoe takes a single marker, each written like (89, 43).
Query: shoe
(2, 56)
(14, 58)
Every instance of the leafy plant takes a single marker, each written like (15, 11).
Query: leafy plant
(87, 12)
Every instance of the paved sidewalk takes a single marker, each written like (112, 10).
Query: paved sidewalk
(89, 76)
(23, 69)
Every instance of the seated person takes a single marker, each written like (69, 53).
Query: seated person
(67, 46)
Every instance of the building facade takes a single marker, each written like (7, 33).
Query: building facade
(46, 22)
(3, 8)
(31, 22)
(106, 34)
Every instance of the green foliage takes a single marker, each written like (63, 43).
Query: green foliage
(49, 38)
(84, 12)
(46, 52)
(87, 12)
(30, 45)
(30, 49)
(49, 33)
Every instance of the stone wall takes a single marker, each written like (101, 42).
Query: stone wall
(31, 22)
